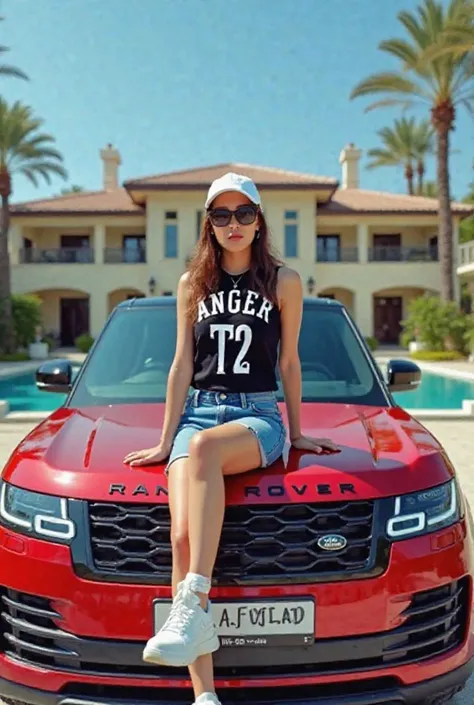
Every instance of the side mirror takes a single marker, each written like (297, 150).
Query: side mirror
(54, 376)
(403, 375)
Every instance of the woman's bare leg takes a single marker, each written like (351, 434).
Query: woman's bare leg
(228, 449)
(190, 631)
(202, 670)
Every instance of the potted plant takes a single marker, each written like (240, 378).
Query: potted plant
(38, 350)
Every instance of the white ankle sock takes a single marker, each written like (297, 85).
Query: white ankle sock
(207, 697)
(198, 583)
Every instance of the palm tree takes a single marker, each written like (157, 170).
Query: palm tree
(429, 189)
(458, 36)
(6, 69)
(423, 145)
(441, 84)
(406, 144)
(75, 188)
(26, 150)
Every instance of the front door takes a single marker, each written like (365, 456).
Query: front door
(74, 320)
(387, 317)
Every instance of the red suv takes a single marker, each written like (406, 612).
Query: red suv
(342, 579)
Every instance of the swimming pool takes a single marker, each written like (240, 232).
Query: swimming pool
(435, 392)
(22, 394)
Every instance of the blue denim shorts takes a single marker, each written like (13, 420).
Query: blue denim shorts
(258, 411)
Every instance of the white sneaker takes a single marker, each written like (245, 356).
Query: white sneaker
(207, 699)
(189, 631)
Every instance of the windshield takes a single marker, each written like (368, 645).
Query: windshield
(131, 362)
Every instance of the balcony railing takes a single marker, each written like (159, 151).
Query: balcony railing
(79, 255)
(122, 255)
(58, 255)
(343, 254)
(387, 253)
(466, 254)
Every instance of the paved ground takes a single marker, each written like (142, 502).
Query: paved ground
(457, 438)
(9, 368)
(461, 368)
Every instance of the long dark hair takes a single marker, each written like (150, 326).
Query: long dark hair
(205, 266)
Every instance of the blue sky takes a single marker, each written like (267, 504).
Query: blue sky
(182, 83)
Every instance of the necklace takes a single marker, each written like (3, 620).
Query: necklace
(235, 282)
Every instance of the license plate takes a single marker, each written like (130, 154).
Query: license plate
(256, 622)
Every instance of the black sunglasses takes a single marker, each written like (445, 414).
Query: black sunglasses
(245, 215)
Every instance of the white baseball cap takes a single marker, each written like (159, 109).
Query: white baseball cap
(233, 182)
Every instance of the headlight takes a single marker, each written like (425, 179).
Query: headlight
(40, 515)
(424, 512)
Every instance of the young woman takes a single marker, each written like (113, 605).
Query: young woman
(235, 306)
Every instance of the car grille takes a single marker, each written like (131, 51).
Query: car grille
(367, 689)
(261, 543)
(433, 624)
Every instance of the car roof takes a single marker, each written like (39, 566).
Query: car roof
(165, 301)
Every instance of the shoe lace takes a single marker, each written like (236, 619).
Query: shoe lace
(182, 611)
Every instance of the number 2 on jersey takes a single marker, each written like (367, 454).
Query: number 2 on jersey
(242, 332)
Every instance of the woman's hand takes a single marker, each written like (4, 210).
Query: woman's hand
(149, 456)
(315, 445)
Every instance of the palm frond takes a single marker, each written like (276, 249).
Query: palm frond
(429, 189)
(460, 8)
(400, 49)
(46, 169)
(30, 175)
(432, 17)
(24, 147)
(456, 38)
(461, 81)
(405, 142)
(381, 157)
(388, 82)
(424, 74)
(390, 103)
(468, 104)
(453, 42)
(13, 72)
(38, 140)
(44, 153)
(6, 69)
(413, 27)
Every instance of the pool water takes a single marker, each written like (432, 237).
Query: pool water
(22, 394)
(435, 392)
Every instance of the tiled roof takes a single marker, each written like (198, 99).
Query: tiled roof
(263, 176)
(347, 201)
(343, 202)
(87, 202)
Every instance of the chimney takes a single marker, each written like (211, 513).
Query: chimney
(111, 161)
(349, 158)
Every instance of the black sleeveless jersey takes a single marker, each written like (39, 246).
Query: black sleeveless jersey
(236, 338)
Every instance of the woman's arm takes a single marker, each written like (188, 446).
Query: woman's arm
(179, 379)
(181, 370)
(290, 295)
